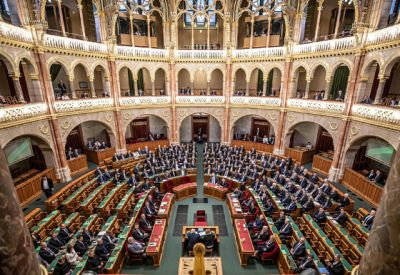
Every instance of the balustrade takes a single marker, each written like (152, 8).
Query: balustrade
(19, 112)
(200, 54)
(316, 105)
(145, 100)
(325, 46)
(384, 35)
(15, 33)
(264, 101)
(258, 53)
(82, 104)
(378, 113)
(200, 99)
(66, 43)
(141, 52)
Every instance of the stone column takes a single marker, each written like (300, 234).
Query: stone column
(379, 91)
(107, 86)
(18, 88)
(251, 33)
(153, 89)
(247, 88)
(37, 94)
(81, 18)
(72, 87)
(268, 30)
(61, 17)
(362, 88)
(340, 3)
(131, 30)
(307, 93)
(192, 87)
(148, 31)
(208, 87)
(293, 88)
(264, 89)
(320, 3)
(327, 88)
(136, 84)
(91, 87)
(166, 86)
(383, 247)
(17, 255)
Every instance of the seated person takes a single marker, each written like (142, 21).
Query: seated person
(72, 257)
(136, 247)
(335, 267)
(368, 220)
(55, 243)
(341, 217)
(149, 211)
(320, 216)
(291, 207)
(286, 230)
(258, 223)
(344, 201)
(132, 181)
(262, 235)
(80, 246)
(269, 208)
(87, 236)
(371, 175)
(287, 199)
(109, 240)
(138, 234)
(193, 237)
(281, 220)
(223, 183)
(101, 251)
(252, 210)
(306, 263)
(153, 203)
(268, 246)
(208, 239)
(65, 234)
(144, 224)
(46, 253)
(309, 146)
(93, 262)
(299, 249)
(62, 267)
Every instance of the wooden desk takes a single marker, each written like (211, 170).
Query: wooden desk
(244, 243)
(301, 155)
(73, 201)
(321, 165)
(233, 182)
(31, 189)
(151, 145)
(46, 225)
(234, 207)
(359, 184)
(187, 229)
(186, 190)
(98, 157)
(125, 204)
(215, 191)
(106, 206)
(166, 206)
(156, 242)
(213, 265)
(92, 201)
(33, 217)
(77, 165)
(249, 145)
(175, 181)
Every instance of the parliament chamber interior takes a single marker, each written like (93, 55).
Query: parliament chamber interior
(199, 137)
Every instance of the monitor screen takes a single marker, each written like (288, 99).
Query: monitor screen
(18, 150)
(380, 151)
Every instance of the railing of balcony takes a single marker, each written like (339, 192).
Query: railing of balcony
(82, 104)
(66, 43)
(317, 105)
(15, 33)
(259, 53)
(200, 99)
(24, 111)
(325, 46)
(378, 113)
(260, 101)
(200, 54)
(141, 52)
(384, 35)
(145, 100)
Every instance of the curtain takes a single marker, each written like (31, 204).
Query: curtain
(54, 71)
(269, 82)
(140, 80)
(260, 81)
(131, 83)
(340, 81)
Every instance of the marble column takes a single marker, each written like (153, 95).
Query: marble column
(136, 84)
(60, 12)
(327, 88)
(18, 88)
(264, 89)
(92, 88)
(247, 88)
(307, 93)
(381, 255)
(148, 32)
(82, 20)
(131, 30)
(153, 89)
(251, 33)
(208, 87)
(17, 253)
(166, 90)
(192, 87)
(362, 90)
(340, 3)
(107, 87)
(72, 87)
(37, 95)
(320, 3)
(268, 30)
(379, 91)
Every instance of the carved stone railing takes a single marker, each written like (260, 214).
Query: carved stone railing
(141, 52)
(200, 54)
(316, 105)
(256, 101)
(325, 46)
(258, 53)
(378, 113)
(384, 35)
(144, 100)
(200, 100)
(15, 33)
(81, 105)
(66, 43)
(20, 112)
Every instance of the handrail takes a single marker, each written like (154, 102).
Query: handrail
(141, 52)
(317, 105)
(384, 35)
(82, 104)
(15, 33)
(258, 53)
(22, 111)
(378, 113)
(200, 54)
(67, 43)
(324, 46)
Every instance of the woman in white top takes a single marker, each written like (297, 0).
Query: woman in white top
(72, 258)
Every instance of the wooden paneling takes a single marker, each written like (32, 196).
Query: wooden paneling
(99, 156)
(248, 145)
(321, 164)
(302, 156)
(152, 145)
(359, 184)
(31, 189)
(77, 165)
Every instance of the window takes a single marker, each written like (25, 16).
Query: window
(198, 11)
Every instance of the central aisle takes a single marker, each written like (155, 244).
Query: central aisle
(172, 248)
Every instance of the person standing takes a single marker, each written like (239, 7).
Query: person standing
(47, 186)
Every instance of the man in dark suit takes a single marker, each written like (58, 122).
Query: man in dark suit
(320, 216)
(335, 267)
(345, 201)
(368, 220)
(341, 217)
(109, 240)
(93, 263)
(101, 251)
(47, 186)
(87, 236)
(262, 235)
(55, 243)
(291, 207)
(208, 239)
(281, 220)
(268, 246)
(193, 238)
(46, 253)
(286, 231)
(144, 223)
(80, 246)
(65, 234)
(306, 263)
(299, 249)
(138, 234)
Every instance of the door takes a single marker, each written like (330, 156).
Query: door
(140, 129)
(200, 127)
(259, 128)
(75, 139)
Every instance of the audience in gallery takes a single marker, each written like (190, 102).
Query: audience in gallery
(73, 153)
(96, 145)
(256, 138)
(376, 176)
(273, 93)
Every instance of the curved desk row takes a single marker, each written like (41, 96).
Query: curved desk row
(185, 190)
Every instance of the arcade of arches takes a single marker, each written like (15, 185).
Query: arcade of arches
(199, 113)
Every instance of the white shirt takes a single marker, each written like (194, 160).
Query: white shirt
(45, 185)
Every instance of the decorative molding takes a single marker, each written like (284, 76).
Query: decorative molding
(256, 101)
(145, 100)
(82, 105)
(378, 113)
(21, 112)
(200, 100)
(317, 105)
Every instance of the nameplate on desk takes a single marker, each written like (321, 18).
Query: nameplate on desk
(152, 244)
(158, 222)
(164, 203)
(238, 209)
(161, 211)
